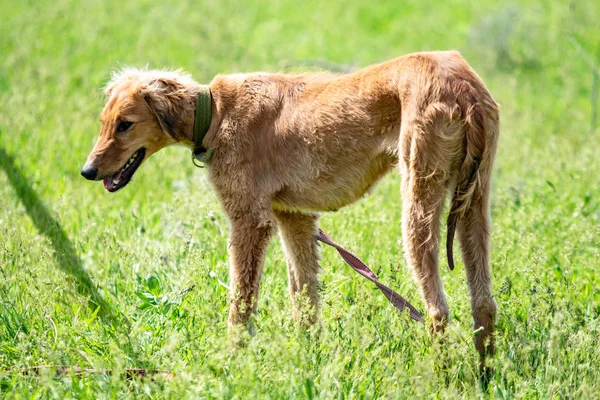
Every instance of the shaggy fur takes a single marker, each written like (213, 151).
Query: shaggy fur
(288, 147)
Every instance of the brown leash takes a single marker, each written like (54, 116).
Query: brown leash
(398, 301)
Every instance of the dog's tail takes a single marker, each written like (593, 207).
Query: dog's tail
(469, 180)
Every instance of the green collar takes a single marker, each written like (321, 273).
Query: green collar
(202, 119)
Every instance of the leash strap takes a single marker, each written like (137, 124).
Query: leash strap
(398, 301)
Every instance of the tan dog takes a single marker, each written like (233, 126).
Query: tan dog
(287, 147)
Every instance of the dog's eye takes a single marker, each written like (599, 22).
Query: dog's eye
(123, 126)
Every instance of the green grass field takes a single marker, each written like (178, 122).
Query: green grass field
(138, 278)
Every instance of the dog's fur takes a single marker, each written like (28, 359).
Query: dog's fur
(287, 147)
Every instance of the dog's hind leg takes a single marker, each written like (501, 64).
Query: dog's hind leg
(427, 146)
(297, 232)
(422, 203)
(473, 225)
(474, 235)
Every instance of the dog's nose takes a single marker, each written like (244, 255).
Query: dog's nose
(89, 173)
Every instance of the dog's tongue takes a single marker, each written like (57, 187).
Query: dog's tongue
(108, 185)
(108, 182)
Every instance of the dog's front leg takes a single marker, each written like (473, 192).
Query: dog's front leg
(297, 233)
(250, 234)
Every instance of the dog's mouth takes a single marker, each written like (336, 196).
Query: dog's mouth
(123, 176)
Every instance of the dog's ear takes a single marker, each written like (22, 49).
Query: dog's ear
(166, 101)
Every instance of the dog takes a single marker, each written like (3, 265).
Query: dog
(280, 149)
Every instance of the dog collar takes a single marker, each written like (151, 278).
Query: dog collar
(202, 119)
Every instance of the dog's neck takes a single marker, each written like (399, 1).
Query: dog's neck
(220, 95)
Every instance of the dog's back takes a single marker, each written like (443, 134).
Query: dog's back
(327, 138)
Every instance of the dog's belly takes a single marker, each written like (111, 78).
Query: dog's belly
(332, 190)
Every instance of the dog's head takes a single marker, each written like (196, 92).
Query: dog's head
(145, 112)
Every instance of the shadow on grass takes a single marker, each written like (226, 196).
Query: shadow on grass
(64, 253)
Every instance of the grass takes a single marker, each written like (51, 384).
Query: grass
(137, 279)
